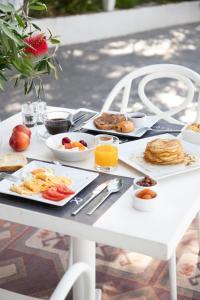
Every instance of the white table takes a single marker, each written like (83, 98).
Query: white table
(155, 234)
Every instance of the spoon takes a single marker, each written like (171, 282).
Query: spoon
(114, 186)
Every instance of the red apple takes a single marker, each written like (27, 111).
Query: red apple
(19, 141)
(22, 128)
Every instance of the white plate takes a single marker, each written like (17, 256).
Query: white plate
(79, 177)
(132, 154)
(150, 121)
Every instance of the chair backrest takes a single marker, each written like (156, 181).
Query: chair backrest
(189, 77)
(63, 287)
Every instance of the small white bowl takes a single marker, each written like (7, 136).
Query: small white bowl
(144, 204)
(191, 136)
(54, 141)
(139, 119)
(139, 187)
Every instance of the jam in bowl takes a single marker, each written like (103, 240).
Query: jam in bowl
(57, 121)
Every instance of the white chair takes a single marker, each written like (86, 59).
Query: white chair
(63, 287)
(149, 73)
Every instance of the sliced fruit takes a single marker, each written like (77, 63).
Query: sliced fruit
(66, 140)
(53, 194)
(68, 146)
(78, 145)
(83, 143)
(63, 189)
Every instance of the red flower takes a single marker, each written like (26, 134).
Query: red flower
(38, 44)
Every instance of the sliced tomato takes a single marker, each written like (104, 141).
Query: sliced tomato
(53, 194)
(63, 189)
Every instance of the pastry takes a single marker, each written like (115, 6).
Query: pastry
(125, 126)
(107, 121)
(164, 152)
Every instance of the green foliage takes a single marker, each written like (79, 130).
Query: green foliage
(70, 7)
(73, 7)
(15, 63)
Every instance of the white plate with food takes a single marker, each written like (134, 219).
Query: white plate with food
(117, 124)
(161, 156)
(36, 178)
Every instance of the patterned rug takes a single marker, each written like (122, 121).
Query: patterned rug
(33, 260)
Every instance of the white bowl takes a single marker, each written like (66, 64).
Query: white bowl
(54, 141)
(191, 136)
(139, 119)
(139, 187)
(144, 205)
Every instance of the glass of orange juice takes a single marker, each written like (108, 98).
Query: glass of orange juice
(106, 152)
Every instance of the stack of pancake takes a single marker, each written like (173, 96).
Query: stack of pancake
(164, 152)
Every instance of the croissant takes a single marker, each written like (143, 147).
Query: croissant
(125, 126)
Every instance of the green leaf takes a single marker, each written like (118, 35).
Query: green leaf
(54, 69)
(54, 41)
(6, 8)
(2, 77)
(11, 35)
(38, 6)
(20, 21)
(36, 27)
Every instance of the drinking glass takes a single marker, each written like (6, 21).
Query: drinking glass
(40, 108)
(28, 114)
(106, 152)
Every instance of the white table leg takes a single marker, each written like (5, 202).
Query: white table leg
(84, 251)
(198, 228)
(172, 277)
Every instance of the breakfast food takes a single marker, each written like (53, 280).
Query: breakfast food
(146, 182)
(125, 126)
(107, 121)
(11, 162)
(146, 194)
(194, 127)
(20, 138)
(67, 144)
(22, 128)
(164, 152)
(43, 181)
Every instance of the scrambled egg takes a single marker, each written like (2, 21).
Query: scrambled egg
(41, 180)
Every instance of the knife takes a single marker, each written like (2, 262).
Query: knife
(95, 193)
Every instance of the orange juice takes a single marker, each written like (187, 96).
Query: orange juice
(106, 155)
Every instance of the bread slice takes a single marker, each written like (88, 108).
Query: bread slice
(11, 162)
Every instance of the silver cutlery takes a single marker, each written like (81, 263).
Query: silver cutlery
(144, 129)
(95, 193)
(10, 177)
(114, 186)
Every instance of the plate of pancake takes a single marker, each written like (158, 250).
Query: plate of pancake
(161, 156)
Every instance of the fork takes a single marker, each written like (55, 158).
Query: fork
(144, 129)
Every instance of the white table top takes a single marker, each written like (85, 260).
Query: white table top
(154, 233)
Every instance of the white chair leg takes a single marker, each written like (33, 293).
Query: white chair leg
(98, 294)
(84, 251)
(198, 228)
(172, 277)
(70, 260)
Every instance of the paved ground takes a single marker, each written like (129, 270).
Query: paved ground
(92, 69)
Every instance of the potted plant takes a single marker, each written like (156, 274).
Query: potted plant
(24, 49)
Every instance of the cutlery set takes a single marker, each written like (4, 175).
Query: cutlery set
(110, 186)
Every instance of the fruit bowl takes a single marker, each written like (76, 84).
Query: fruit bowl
(54, 143)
